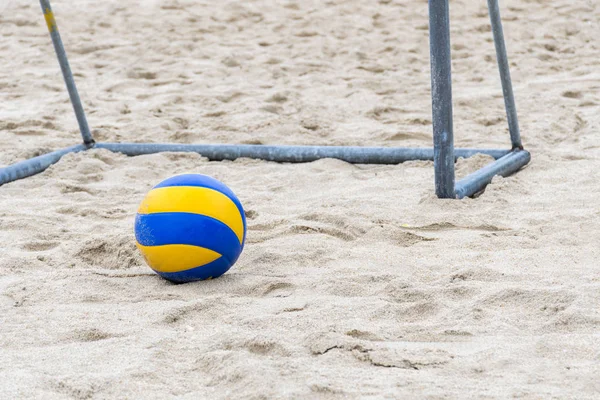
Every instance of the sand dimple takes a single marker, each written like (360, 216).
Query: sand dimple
(110, 252)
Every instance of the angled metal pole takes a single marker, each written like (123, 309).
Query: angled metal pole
(67, 74)
(509, 98)
(35, 165)
(504, 166)
(441, 98)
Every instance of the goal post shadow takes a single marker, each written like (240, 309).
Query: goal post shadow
(443, 153)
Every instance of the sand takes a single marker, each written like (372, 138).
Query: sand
(356, 281)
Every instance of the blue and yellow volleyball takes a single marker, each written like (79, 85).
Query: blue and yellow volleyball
(190, 227)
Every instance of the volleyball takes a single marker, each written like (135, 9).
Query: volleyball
(190, 227)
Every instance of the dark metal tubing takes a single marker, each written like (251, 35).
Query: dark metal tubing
(35, 165)
(441, 97)
(443, 152)
(505, 166)
(66, 71)
(508, 161)
(295, 154)
(507, 90)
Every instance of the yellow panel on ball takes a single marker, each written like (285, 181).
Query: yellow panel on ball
(195, 200)
(176, 257)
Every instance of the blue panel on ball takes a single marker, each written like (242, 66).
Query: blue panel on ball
(210, 270)
(185, 228)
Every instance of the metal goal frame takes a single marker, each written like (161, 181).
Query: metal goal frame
(443, 152)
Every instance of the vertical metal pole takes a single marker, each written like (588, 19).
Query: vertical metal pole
(441, 98)
(66, 71)
(509, 98)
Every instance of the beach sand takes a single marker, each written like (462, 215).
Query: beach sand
(356, 281)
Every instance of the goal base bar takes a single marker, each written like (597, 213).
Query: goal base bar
(504, 166)
(507, 161)
(295, 154)
(35, 165)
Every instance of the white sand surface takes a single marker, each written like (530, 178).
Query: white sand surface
(356, 282)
